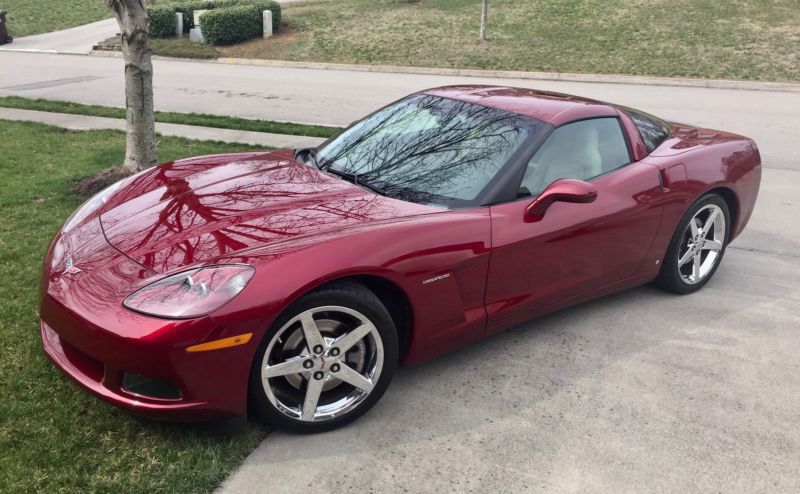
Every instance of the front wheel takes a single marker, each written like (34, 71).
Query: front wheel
(326, 360)
(697, 246)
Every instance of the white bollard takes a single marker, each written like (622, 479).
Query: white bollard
(267, 16)
(178, 24)
(196, 35)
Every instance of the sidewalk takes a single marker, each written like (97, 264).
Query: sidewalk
(82, 122)
(76, 40)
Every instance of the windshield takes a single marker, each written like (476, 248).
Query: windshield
(428, 149)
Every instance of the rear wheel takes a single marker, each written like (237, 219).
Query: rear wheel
(697, 246)
(326, 360)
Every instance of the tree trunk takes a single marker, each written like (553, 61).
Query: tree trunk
(484, 18)
(140, 151)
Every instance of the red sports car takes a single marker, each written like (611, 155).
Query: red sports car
(294, 282)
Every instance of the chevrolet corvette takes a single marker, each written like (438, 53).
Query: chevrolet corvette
(291, 284)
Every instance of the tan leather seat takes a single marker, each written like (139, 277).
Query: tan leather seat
(571, 152)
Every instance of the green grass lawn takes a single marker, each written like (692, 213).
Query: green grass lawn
(733, 39)
(54, 436)
(199, 119)
(26, 17)
(182, 48)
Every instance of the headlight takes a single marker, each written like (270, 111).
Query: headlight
(192, 293)
(90, 206)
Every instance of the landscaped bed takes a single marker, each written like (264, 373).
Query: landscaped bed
(737, 39)
(223, 22)
(53, 435)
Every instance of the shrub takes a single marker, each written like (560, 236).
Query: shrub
(162, 20)
(231, 25)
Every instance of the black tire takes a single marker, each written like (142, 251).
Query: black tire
(670, 278)
(350, 295)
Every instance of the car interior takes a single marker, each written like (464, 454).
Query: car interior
(580, 150)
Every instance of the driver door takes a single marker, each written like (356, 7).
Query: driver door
(572, 249)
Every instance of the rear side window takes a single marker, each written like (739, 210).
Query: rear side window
(654, 131)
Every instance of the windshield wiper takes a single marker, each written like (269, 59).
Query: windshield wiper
(353, 177)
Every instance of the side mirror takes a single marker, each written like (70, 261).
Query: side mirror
(564, 190)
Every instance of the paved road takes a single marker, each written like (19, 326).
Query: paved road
(339, 97)
(637, 392)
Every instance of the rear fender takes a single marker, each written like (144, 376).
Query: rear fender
(730, 164)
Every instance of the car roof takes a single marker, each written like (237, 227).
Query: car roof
(553, 108)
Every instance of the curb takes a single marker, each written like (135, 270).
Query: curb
(539, 76)
(33, 50)
(498, 74)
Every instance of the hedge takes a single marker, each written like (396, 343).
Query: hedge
(162, 21)
(162, 17)
(231, 25)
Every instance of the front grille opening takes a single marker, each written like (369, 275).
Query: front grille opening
(86, 364)
(149, 387)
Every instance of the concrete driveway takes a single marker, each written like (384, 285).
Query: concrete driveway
(637, 392)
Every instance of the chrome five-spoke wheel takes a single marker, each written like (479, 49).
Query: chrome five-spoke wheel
(697, 246)
(329, 359)
(702, 243)
(322, 363)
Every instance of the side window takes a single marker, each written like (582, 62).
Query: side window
(580, 150)
(653, 130)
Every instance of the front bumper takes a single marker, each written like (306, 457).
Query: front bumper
(96, 347)
(93, 339)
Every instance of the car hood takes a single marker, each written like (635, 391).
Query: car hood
(193, 211)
